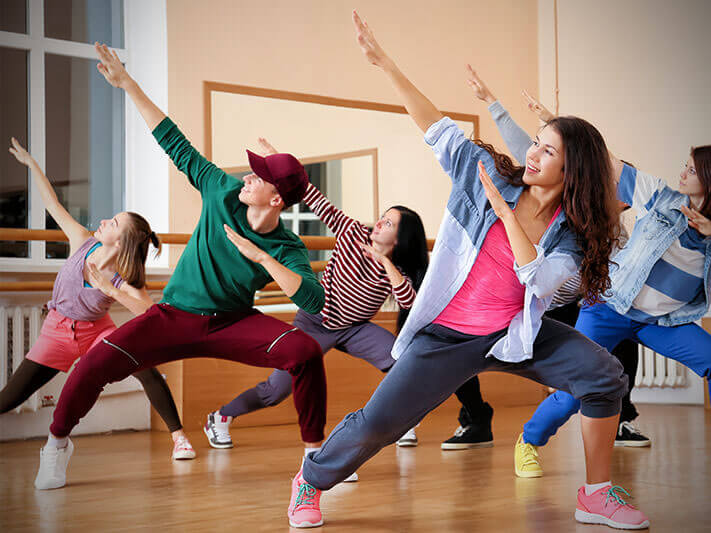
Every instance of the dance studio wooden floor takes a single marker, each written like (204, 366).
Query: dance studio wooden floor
(126, 482)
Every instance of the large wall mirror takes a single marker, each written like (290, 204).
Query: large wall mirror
(364, 156)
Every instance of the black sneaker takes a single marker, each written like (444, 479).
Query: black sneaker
(469, 437)
(629, 435)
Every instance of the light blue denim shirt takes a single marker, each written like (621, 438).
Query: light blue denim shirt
(659, 223)
(466, 222)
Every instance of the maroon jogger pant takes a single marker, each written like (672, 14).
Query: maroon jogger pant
(165, 333)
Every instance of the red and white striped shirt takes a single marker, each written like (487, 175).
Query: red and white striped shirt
(356, 285)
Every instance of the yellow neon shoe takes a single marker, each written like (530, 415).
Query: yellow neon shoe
(526, 460)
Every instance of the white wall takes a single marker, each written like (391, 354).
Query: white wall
(147, 180)
(639, 71)
(122, 405)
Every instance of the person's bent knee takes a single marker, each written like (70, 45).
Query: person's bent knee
(601, 385)
(601, 409)
(273, 393)
(566, 402)
(308, 346)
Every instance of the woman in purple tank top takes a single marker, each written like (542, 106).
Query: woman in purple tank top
(106, 267)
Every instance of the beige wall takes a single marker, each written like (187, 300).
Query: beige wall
(407, 171)
(309, 47)
(638, 70)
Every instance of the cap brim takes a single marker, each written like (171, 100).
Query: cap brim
(258, 164)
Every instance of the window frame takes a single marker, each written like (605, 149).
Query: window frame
(145, 29)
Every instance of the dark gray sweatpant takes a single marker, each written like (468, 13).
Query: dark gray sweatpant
(366, 341)
(437, 362)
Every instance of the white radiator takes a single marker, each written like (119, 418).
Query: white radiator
(655, 370)
(19, 329)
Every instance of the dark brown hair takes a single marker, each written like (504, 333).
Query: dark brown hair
(410, 252)
(133, 249)
(588, 198)
(702, 162)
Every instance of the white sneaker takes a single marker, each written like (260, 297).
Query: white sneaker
(217, 429)
(52, 473)
(182, 449)
(409, 439)
(351, 479)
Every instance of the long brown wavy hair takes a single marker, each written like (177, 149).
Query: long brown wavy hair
(588, 198)
(133, 249)
(702, 162)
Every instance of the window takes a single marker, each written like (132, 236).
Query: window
(14, 209)
(84, 152)
(77, 127)
(13, 16)
(85, 21)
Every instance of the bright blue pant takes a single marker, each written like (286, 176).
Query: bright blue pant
(688, 344)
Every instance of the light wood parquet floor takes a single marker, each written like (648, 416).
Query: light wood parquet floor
(127, 482)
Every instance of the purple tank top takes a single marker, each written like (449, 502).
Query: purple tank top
(71, 298)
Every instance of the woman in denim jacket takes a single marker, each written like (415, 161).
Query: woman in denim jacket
(493, 272)
(661, 284)
(475, 414)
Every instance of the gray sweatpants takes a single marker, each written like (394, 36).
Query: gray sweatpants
(366, 341)
(437, 363)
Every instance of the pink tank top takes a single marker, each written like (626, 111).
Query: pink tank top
(492, 294)
(71, 298)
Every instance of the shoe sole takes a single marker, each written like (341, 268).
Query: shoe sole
(218, 446)
(407, 444)
(467, 445)
(302, 525)
(51, 487)
(521, 473)
(591, 518)
(184, 456)
(633, 443)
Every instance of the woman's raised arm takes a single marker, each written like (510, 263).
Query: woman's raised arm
(75, 232)
(422, 111)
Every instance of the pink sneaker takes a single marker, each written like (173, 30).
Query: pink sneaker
(606, 506)
(304, 508)
(182, 449)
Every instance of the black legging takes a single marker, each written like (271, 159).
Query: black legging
(30, 376)
(475, 409)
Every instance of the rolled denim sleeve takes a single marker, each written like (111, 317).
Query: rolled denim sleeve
(638, 189)
(449, 144)
(545, 274)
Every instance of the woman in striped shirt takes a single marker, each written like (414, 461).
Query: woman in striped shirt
(366, 267)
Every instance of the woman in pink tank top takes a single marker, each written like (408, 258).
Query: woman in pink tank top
(106, 267)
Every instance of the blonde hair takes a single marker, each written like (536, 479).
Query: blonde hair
(133, 250)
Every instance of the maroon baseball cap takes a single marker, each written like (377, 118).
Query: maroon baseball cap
(284, 172)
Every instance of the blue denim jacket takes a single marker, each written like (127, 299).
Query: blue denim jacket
(466, 222)
(659, 223)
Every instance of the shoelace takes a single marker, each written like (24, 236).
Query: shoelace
(611, 493)
(305, 495)
(222, 433)
(183, 444)
(460, 431)
(51, 459)
(630, 427)
(530, 454)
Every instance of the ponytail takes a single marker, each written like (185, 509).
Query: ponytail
(133, 250)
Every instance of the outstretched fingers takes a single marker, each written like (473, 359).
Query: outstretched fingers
(266, 147)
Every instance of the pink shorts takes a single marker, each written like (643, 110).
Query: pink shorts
(63, 340)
